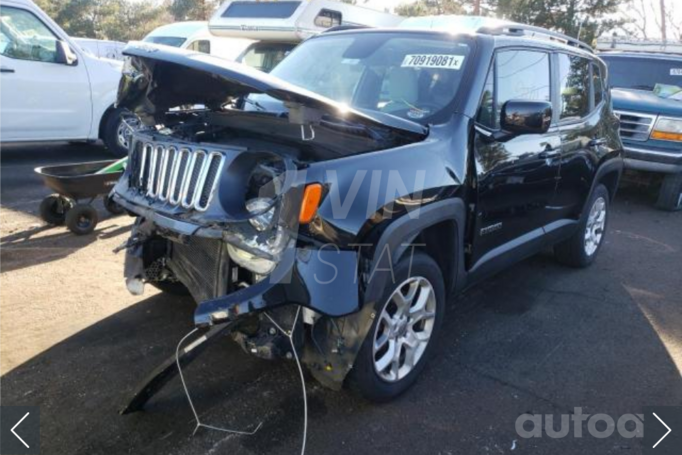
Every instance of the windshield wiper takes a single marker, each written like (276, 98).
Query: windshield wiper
(255, 104)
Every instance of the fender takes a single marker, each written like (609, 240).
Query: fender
(396, 239)
(613, 164)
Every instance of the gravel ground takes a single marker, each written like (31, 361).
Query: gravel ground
(539, 338)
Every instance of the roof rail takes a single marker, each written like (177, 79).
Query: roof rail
(340, 28)
(533, 31)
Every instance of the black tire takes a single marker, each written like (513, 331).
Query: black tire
(575, 252)
(364, 378)
(112, 207)
(53, 209)
(670, 195)
(110, 133)
(82, 219)
(170, 287)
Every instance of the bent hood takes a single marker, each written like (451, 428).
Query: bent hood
(645, 101)
(156, 79)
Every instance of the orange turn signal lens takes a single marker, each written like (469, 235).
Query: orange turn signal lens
(311, 201)
(662, 135)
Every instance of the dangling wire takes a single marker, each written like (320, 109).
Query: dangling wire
(191, 404)
(290, 334)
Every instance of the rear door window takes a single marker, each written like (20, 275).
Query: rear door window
(597, 84)
(574, 87)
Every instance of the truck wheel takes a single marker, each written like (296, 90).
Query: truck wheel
(670, 196)
(581, 248)
(403, 332)
(82, 219)
(112, 207)
(53, 209)
(117, 133)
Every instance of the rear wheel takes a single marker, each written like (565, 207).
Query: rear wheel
(581, 249)
(670, 195)
(82, 219)
(401, 337)
(53, 209)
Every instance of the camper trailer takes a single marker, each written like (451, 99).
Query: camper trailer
(278, 26)
(195, 36)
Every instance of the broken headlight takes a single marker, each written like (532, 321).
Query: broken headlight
(255, 264)
(263, 211)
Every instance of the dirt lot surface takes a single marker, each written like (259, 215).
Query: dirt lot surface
(539, 338)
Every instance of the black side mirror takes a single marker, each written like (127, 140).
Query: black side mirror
(526, 117)
(65, 55)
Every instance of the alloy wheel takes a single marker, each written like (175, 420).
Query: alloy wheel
(596, 222)
(404, 329)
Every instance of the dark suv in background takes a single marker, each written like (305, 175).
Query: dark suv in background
(372, 175)
(650, 119)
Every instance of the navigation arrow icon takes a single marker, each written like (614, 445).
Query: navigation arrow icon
(26, 415)
(665, 435)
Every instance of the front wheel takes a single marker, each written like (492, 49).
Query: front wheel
(402, 335)
(118, 130)
(581, 249)
(670, 195)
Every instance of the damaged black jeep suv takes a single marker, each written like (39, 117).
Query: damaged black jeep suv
(342, 199)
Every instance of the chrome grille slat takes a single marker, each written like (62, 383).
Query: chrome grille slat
(193, 178)
(208, 186)
(177, 176)
(635, 126)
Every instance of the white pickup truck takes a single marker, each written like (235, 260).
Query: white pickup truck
(51, 89)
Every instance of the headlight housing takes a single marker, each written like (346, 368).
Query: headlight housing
(668, 129)
(263, 217)
(260, 266)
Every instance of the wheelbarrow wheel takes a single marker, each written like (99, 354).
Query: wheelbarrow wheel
(82, 219)
(53, 209)
(112, 207)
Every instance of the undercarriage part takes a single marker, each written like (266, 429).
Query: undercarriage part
(169, 368)
(290, 335)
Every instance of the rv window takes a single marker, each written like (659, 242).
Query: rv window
(328, 18)
(265, 56)
(201, 46)
(174, 41)
(261, 10)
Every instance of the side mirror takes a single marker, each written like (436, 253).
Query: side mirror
(526, 117)
(65, 55)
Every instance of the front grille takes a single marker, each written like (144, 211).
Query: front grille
(177, 176)
(635, 126)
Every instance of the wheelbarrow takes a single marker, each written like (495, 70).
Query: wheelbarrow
(73, 183)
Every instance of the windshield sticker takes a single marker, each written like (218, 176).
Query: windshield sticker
(453, 62)
(676, 71)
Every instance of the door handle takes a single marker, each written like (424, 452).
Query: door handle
(594, 143)
(6, 70)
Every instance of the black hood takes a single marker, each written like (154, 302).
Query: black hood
(157, 78)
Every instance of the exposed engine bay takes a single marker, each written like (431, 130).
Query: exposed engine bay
(217, 184)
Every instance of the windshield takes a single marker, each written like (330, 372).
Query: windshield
(643, 74)
(175, 41)
(410, 76)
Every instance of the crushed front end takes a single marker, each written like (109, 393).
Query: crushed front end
(217, 191)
